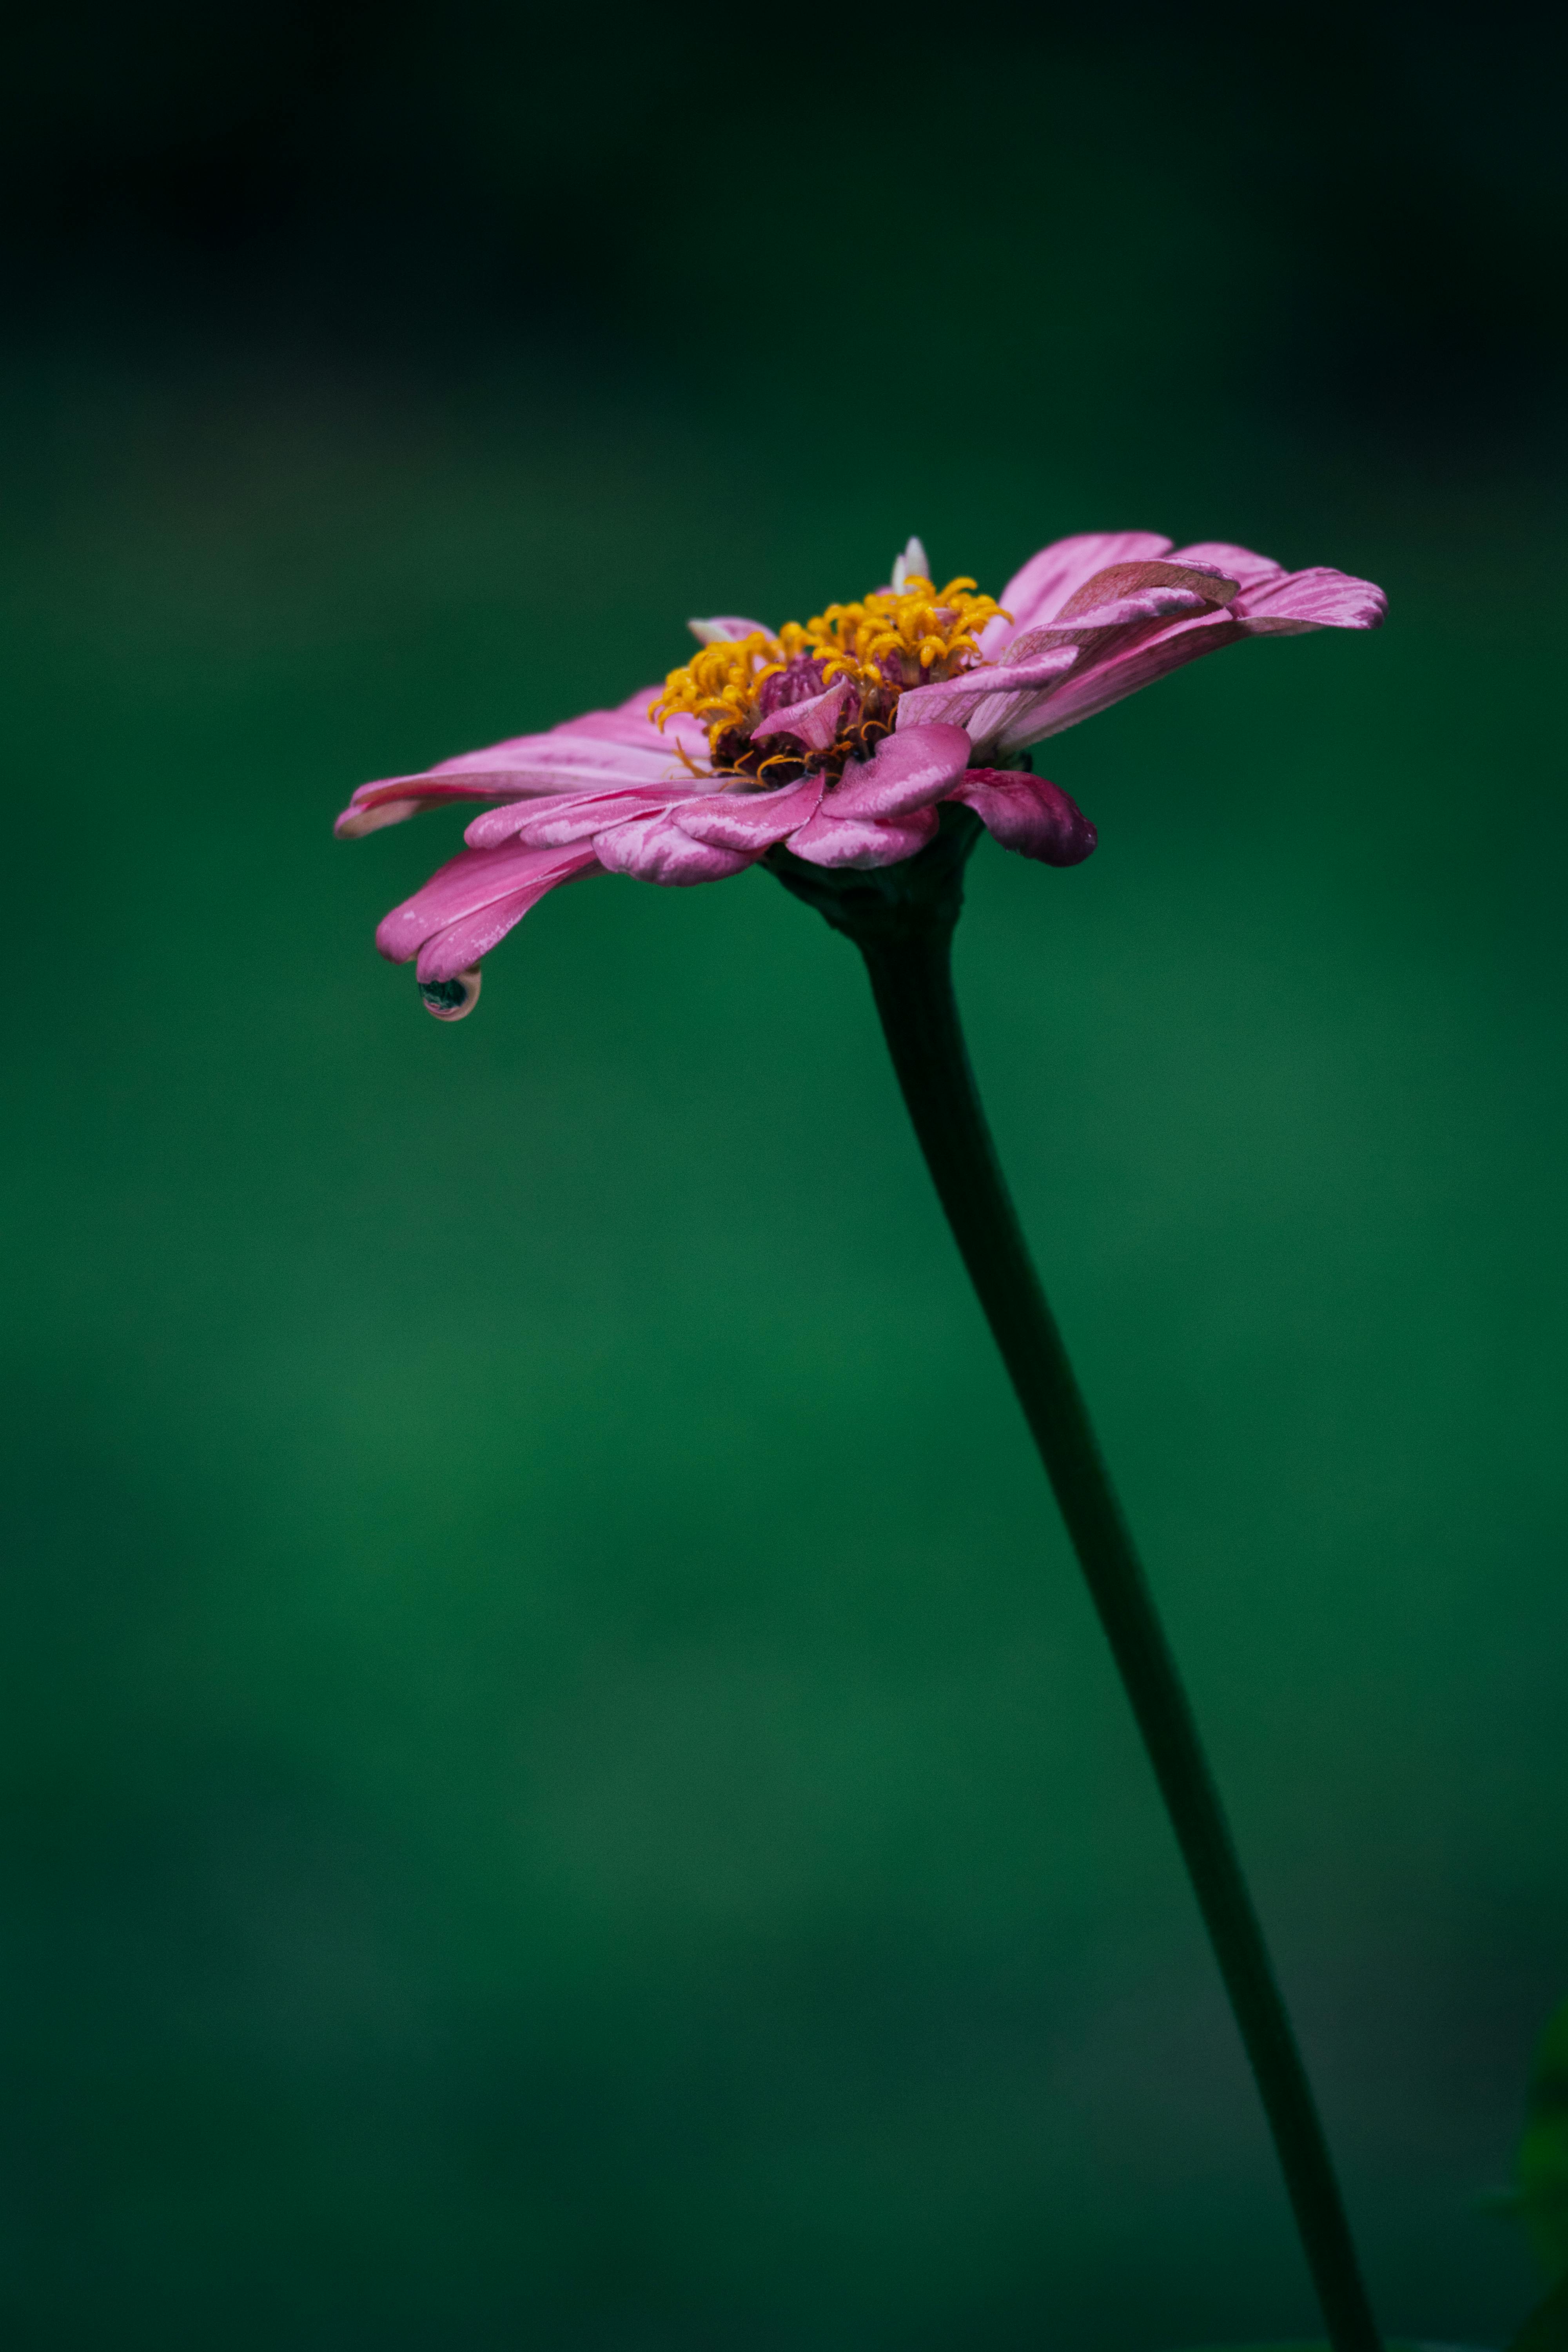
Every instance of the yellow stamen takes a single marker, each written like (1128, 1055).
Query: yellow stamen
(893, 638)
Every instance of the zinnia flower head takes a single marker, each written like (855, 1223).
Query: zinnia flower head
(837, 741)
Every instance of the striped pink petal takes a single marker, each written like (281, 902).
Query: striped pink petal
(830, 840)
(557, 819)
(1280, 604)
(907, 770)
(655, 849)
(1046, 582)
(1285, 602)
(597, 752)
(1099, 617)
(750, 821)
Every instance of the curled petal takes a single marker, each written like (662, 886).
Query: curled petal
(908, 770)
(466, 885)
(751, 822)
(459, 947)
(830, 840)
(655, 849)
(471, 903)
(1026, 814)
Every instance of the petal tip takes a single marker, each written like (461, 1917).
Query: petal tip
(914, 563)
(355, 823)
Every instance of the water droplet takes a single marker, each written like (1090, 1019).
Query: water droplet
(452, 999)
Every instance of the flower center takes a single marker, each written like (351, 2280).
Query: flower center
(893, 638)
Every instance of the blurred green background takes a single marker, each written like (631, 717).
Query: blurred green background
(559, 1787)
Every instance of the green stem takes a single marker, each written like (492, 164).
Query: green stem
(912, 983)
(901, 919)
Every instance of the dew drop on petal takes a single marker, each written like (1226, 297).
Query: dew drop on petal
(452, 999)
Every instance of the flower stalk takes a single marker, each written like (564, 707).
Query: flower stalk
(901, 918)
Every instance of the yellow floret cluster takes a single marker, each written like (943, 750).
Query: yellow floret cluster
(928, 633)
(892, 638)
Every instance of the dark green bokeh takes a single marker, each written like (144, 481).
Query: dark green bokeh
(1542, 2165)
(560, 1786)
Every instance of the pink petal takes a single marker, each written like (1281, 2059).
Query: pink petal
(1243, 564)
(907, 770)
(465, 895)
(1282, 603)
(1137, 591)
(1290, 602)
(459, 947)
(1123, 669)
(830, 840)
(558, 818)
(596, 752)
(1039, 591)
(750, 821)
(629, 723)
(394, 801)
(989, 702)
(1111, 613)
(655, 849)
(814, 722)
(1026, 814)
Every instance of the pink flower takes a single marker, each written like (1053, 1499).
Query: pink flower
(839, 740)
